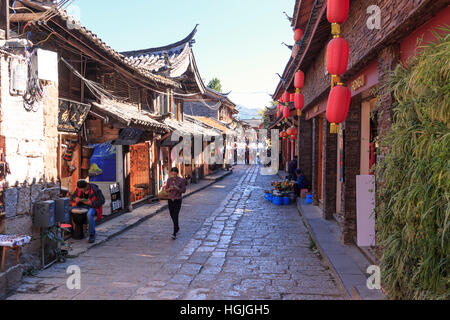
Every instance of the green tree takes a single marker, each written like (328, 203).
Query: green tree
(215, 85)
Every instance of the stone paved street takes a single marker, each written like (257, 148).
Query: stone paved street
(232, 245)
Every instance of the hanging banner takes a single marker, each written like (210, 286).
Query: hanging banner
(72, 115)
(103, 163)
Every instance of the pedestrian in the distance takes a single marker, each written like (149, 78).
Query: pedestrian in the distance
(175, 187)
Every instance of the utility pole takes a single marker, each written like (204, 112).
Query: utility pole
(4, 17)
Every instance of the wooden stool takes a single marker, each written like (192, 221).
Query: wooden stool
(5, 249)
(12, 242)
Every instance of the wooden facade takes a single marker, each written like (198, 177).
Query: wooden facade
(333, 162)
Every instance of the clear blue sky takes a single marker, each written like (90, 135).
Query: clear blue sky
(238, 42)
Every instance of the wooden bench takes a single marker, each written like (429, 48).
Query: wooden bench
(12, 242)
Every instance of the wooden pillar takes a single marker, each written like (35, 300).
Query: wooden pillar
(305, 153)
(4, 17)
(315, 156)
(126, 179)
(352, 127)
(329, 171)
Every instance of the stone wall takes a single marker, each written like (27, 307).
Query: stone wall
(31, 151)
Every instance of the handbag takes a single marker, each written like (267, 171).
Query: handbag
(163, 195)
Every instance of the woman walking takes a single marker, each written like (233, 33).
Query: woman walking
(175, 187)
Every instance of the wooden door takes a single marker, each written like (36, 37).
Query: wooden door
(139, 172)
(320, 158)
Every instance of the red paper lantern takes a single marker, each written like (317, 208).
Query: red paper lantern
(337, 56)
(283, 135)
(292, 97)
(299, 81)
(299, 101)
(286, 113)
(292, 131)
(298, 34)
(338, 104)
(279, 107)
(337, 11)
(278, 114)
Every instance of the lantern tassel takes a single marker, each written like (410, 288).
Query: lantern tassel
(334, 128)
(299, 113)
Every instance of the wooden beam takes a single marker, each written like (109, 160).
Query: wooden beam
(4, 17)
(24, 17)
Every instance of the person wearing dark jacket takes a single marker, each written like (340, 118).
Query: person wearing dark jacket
(292, 167)
(89, 196)
(175, 186)
(300, 183)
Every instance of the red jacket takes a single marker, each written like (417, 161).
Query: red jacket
(97, 198)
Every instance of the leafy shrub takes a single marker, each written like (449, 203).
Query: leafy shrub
(413, 199)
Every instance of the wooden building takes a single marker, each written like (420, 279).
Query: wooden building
(335, 162)
(107, 119)
(177, 62)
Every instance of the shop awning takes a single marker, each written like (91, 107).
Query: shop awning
(130, 116)
(190, 127)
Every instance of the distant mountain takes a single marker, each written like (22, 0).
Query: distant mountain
(247, 113)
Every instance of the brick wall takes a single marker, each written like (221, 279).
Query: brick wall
(305, 147)
(398, 19)
(352, 128)
(329, 171)
(315, 156)
(387, 61)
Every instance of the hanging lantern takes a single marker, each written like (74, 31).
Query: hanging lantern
(293, 137)
(292, 97)
(283, 135)
(337, 56)
(279, 107)
(278, 114)
(338, 104)
(299, 101)
(292, 131)
(286, 113)
(337, 11)
(299, 81)
(298, 34)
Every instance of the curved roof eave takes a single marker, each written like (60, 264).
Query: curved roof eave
(189, 39)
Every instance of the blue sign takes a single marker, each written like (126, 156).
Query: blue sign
(103, 163)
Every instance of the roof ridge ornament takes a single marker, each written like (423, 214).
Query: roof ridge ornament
(289, 18)
(288, 46)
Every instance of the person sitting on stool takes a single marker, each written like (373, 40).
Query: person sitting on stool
(88, 196)
(301, 182)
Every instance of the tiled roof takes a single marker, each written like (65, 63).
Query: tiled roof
(130, 115)
(253, 122)
(215, 124)
(190, 126)
(174, 58)
(77, 27)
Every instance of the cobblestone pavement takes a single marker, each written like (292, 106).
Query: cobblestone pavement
(232, 245)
